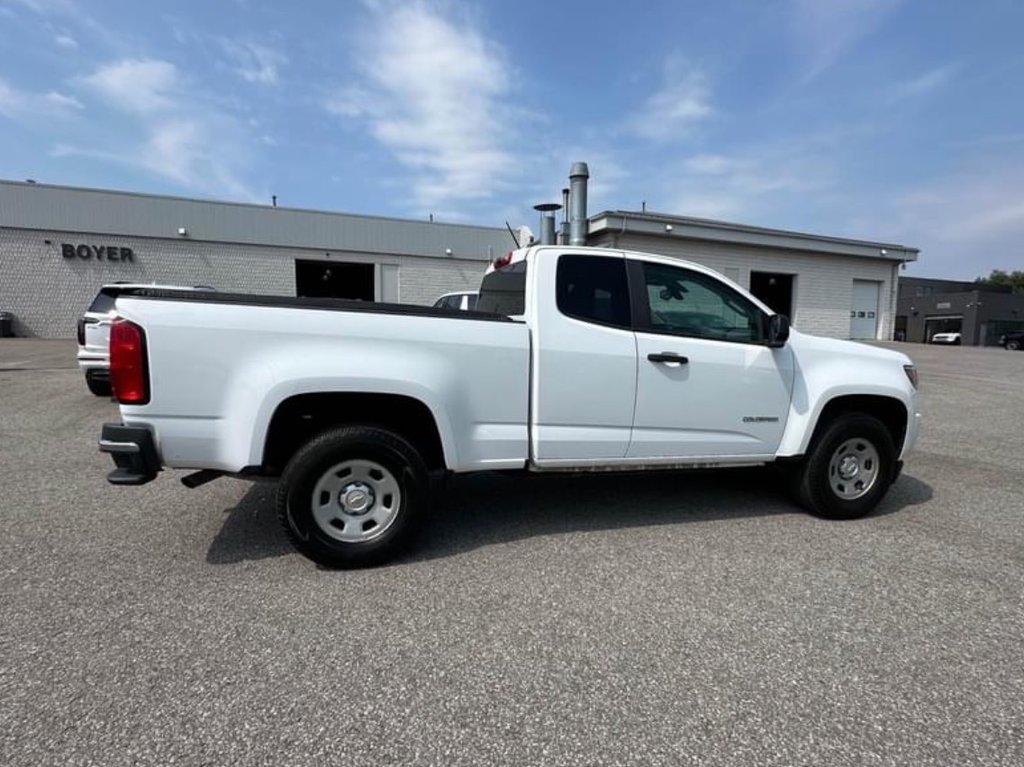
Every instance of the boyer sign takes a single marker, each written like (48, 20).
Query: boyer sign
(97, 252)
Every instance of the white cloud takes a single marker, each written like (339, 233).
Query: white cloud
(993, 139)
(966, 223)
(750, 184)
(136, 85)
(65, 40)
(255, 63)
(714, 164)
(350, 101)
(682, 102)
(61, 102)
(967, 210)
(434, 91)
(16, 104)
(827, 30)
(930, 81)
(182, 135)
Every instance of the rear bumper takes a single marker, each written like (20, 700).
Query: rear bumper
(93, 361)
(133, 451)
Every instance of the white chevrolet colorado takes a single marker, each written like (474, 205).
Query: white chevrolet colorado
(94, 334)
(576, 359)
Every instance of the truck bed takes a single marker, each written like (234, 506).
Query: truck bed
(303, 302)
(221, 364)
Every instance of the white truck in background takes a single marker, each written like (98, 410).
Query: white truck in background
(576, 359)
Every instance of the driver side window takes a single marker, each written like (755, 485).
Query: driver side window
(688, 303)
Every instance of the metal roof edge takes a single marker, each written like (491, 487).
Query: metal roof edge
(714, 230)
(237, 204)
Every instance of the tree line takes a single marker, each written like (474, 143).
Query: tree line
(1014, 279)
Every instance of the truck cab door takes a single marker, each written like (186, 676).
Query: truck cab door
(583, 385)
(707, 385)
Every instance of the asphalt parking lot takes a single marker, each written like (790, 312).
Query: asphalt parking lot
(643, 619)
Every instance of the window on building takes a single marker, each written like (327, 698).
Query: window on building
(334, 279)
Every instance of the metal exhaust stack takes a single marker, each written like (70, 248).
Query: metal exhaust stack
(547, 221)
(578, 215)
(563, 233)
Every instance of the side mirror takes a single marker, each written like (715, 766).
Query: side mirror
(778, 331)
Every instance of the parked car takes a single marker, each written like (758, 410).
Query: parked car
(576, 359)
(946, 338)
(94, 334)
(464, 300)
(1013, 340)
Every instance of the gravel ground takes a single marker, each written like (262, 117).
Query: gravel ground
(643, 619)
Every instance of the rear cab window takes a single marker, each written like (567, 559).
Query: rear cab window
(503, 291)
(102, 304)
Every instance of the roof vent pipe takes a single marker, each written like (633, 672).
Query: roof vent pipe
(563, 230)
(578, 212)
(547, 221)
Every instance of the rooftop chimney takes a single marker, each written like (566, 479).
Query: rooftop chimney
(563, 230)
(578, 194)
(547, 221)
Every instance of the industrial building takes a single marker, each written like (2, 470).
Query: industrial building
(980, 313)
(58, 245)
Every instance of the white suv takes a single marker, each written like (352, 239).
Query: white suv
(464, 300)
(94, 334)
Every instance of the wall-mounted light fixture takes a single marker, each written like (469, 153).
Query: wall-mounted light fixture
(668, 227)
(447, 251)
(182, 231)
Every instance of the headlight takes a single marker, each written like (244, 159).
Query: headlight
(911, 372)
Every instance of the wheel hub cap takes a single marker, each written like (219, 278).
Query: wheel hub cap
(849, 467)
(853, 469)
(356, 499)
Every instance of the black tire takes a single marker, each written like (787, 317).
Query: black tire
(869, 445)
(97, 385)
(1013, 345)
(400, 468)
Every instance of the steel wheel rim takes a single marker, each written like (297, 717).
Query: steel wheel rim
(853, 469)
(356, 501)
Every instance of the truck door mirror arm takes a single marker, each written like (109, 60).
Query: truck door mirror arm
(778, 331)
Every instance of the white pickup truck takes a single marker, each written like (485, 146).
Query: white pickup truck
(576, 359)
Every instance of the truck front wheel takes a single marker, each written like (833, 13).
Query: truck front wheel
(848, 469)
(352, 496)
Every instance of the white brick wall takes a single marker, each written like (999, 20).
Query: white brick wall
(47, 292)
(822, 290)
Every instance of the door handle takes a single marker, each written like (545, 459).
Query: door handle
(667, 357)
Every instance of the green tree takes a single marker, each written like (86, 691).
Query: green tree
(1014, 279)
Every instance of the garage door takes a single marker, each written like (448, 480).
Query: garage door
(864, 312)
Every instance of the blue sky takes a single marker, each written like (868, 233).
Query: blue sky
(878, 119)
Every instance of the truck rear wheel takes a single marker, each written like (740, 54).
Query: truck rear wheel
(849, 468)
(352, 496)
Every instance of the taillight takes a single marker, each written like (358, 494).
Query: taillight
(81, 331)
(129, 370)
